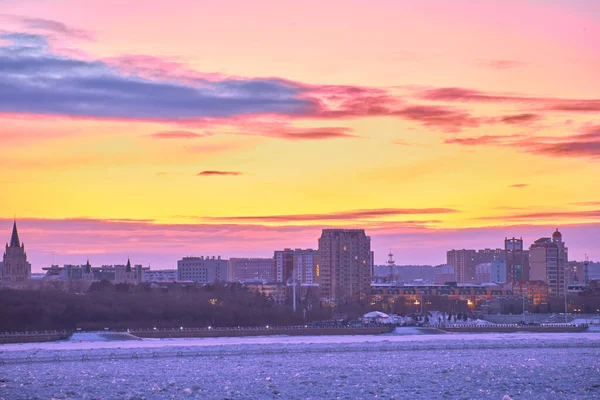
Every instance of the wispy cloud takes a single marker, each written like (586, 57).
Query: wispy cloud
(456, 94)
(48, 27)
(485, 140)
(519, 119)
(55, 27)
(502, 64)
(179, 135)
(154, 67)
(591, 215)
(519, 185)
(292, 133)
(219, 173)
(335, 216)
(586, 145)
(447, 118)
(586, 203)
(580, 145)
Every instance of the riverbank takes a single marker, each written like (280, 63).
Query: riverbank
(512, 328)
(34, 337)
(259, 331)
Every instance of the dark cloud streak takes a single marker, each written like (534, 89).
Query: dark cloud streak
(219, 173)
(341, 216)
(582, 145)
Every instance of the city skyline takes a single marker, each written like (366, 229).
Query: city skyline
(171, 259)
(204, 131)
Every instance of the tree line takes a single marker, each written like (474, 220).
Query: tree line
(123, 306)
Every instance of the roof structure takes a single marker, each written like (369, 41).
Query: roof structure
(14, 239)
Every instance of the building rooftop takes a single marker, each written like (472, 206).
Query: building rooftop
(14, 238)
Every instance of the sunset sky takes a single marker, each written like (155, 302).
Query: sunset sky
(234, 128)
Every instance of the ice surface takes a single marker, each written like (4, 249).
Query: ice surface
(448, 366)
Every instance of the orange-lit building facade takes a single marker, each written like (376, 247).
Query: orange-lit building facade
(537, 291)
(470, 293)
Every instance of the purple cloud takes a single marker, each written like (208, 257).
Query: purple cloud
(520, 119)
(582, 145)
(219, 173)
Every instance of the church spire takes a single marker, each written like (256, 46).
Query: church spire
(128, 267)
(14, 239)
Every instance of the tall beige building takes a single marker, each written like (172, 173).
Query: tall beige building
(548, 259)
(16, 271)
(345, 265)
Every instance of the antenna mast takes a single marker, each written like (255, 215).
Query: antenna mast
(391, 264)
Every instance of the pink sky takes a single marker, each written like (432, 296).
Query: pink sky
(237, 128)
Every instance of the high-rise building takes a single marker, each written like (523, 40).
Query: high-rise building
(464, 262)
(483, 273)
(306, 263)
(517, 260)
(283, 263)
(489, 255)
(345, 264)
(202, 269)
(251, 269)
(300, 265)
(16, 271)
(548, 258)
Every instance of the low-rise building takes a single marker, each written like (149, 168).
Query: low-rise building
(159, 275)
(69, 272)
(468, 292)
(251, 269)
(535, 291)
(444, 273)
(203, 269)
(119, 273)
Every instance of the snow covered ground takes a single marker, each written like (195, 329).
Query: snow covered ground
(446, 366)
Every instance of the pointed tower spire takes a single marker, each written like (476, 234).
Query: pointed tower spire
(128, 267)
(14, 239)
(88, 267)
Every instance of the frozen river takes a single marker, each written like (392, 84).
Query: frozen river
(461, 366)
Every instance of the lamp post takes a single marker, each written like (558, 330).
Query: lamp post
(294, 289)
(566, 289)
(523, 306)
